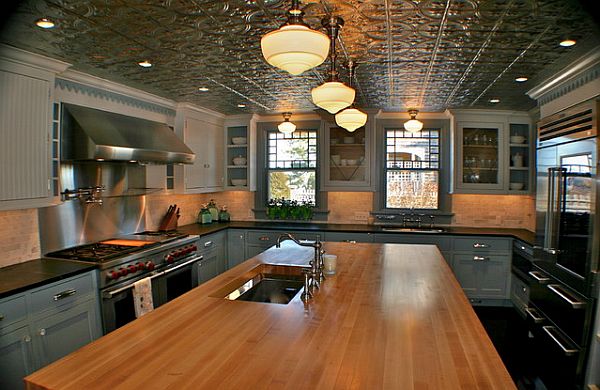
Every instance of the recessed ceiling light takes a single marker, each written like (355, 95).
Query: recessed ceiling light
(494, 100)
(44, 23)
(567, 42)
(241, 106)
(145, 64)
(203, 89)
(521, 79)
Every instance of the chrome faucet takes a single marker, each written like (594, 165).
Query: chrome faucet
(316, 265)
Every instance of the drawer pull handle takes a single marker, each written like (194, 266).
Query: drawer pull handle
(42, 332)
(207, 244)
(480, 245)
(264, 238)
(551, 330)
(537, 275)
(566, 296)
(480, 258)
(537, 318)
(64, 294)
(26, 339)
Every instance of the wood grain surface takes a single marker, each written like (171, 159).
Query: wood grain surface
(393, 317)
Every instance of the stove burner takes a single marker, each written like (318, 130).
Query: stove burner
(95, 252)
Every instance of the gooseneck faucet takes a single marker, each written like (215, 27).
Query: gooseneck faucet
(316, 264)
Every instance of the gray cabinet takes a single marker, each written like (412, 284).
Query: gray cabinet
(482, 267)
(16, 357)
(213, 249)
(258, 241)
(240, 128)
(44, 324)
(347, 237)
(236, 247)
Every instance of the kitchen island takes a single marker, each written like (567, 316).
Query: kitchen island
(393, 317)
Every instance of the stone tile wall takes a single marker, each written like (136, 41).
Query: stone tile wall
(19, 236)
(513, 211)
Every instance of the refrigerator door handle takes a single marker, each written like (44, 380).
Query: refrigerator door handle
(549, 226)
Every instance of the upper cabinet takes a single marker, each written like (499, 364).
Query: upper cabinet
(240, 152)
(493, 152)
(202, 131)
(346, 158)
(29, 130)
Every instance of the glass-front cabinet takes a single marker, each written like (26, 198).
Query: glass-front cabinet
(480, 159)
(347, 157)
(240, 140)
(520, 153)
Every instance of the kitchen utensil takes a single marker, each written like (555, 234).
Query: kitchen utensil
(517, 139)
(516, 186)
(517, 160)
(333, 141)
(329, 263)
(348, 140)
(239, 182)
(239, 160)
(336, 159)
(351, 162)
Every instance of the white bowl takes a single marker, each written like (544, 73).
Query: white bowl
(333, 141)
(238, 140)
(352, 163)
(517, 139)
(238, 182)
(348, 140)
(516, 186)
(239, 160)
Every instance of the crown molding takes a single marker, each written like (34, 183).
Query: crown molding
(579, 72)
(192, 108)
(23, 57)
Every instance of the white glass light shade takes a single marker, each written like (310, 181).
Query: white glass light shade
(286, 127)
(295, 48)
(333, 96)
(351, 119)
(413, 126)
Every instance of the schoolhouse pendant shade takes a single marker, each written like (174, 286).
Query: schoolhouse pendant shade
(351, 119)
(333, 96)
(413, 125)
(286, 127)
(295, 48)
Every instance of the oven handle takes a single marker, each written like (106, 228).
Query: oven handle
(537, 275)
(558, 290)
(537, 318)
(112, 293)
(568, 351)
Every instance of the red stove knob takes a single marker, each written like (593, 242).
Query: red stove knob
(194, 248)
(132, 269)
(140, 266)
(178, 253)
(114, 275)
(149, 265)
(169, 258)
(187, 249)
(123, 271)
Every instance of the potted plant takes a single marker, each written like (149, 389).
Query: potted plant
(289, 209)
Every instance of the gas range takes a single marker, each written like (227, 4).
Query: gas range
(132, 257)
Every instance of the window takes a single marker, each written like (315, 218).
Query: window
(412, 169)
(292, 165)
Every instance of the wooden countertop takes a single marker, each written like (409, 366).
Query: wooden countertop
(394, 317)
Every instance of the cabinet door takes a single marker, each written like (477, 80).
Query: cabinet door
(64, 331)
(15, 358)
(236, 247)
(24, 139)
(480, 159)
(208, 267)
(254, 250)
(206, 140)
(494, 276)
(213, 156)
(466, 272)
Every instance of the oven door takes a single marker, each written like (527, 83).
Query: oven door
(176, 280)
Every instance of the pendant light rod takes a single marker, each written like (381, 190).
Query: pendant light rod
(332, 24)
(295, 14)
(351, 67)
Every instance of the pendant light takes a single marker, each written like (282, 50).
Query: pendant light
(333, 95)
(413, 125)
(295, 47)
(287, 127)
(351, 118)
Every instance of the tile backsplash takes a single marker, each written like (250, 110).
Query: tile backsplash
(19, 234)
(505, 211)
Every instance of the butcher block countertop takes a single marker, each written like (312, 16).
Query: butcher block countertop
(393, 317)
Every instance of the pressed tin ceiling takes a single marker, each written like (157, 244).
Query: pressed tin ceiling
(430, 55)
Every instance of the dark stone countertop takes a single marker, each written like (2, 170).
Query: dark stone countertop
(521, 234)
(20, 277)
(24, 276)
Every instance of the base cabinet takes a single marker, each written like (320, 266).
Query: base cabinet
(236, 247)
(213, 249)
(35, 334)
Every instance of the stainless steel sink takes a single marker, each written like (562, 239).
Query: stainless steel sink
(272, 284)
(412, 230)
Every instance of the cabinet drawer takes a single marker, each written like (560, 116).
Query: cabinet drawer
(269, 238)
(519, 293)
(442, 242)
(482, 244)
(211, 241)
(61, 293)
(12, 309)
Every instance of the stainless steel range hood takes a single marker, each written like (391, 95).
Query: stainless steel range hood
(90, 134)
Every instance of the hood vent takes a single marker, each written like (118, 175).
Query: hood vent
(577, 122)
(90, 134)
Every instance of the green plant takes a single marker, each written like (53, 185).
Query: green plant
(289, 209)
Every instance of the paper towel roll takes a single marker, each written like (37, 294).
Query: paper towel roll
(142, 297)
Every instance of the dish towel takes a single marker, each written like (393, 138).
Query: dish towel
(142, 297)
